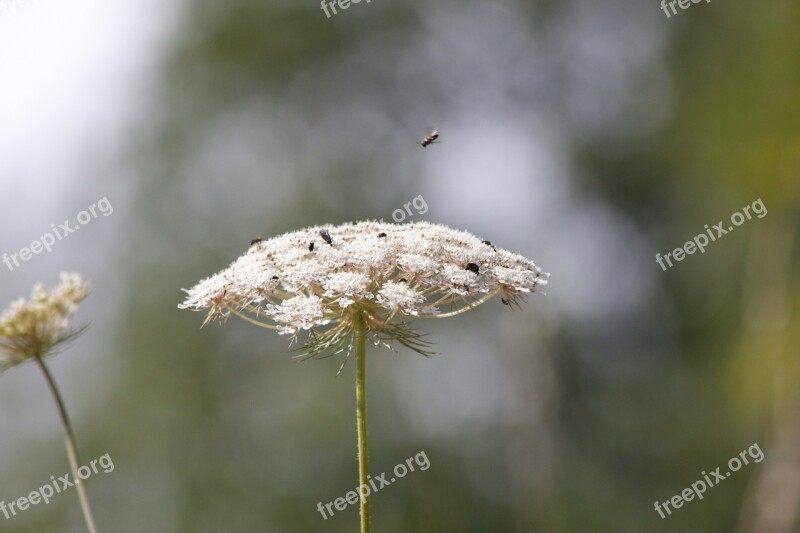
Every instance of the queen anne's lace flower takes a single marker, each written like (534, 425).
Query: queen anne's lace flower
(383, 273)
(400, 297)
(348, 286)
(300, 311)
(35, 327)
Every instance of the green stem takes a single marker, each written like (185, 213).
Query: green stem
(361, 417)
(72, 448)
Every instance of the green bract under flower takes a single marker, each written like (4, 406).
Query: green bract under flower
(384, 273)
(36, 327)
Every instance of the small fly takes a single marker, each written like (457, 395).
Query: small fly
(430, 139)
(472, 267)
(326, 236)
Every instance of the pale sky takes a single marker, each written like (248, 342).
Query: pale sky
(74, 75)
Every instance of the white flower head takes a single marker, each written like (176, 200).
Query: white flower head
(385, 274)
(36, 327)
(400, 297)
(349, 287)
(299, 312)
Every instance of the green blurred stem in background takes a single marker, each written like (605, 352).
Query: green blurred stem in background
(72, 447)
(361, 417)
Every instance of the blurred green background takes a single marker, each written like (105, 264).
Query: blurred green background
(588, 136)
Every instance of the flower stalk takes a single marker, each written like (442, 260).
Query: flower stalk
(361, 419)
(71, 444)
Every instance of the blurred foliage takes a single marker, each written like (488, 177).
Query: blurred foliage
(581, 423)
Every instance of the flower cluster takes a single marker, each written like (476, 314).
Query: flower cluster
(322, 279)
(35, 327)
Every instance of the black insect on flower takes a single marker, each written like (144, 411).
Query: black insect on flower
(429, 139)
(255, 241)
(326, 236)
(381, 235)
(472, 267)
(311, 247)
